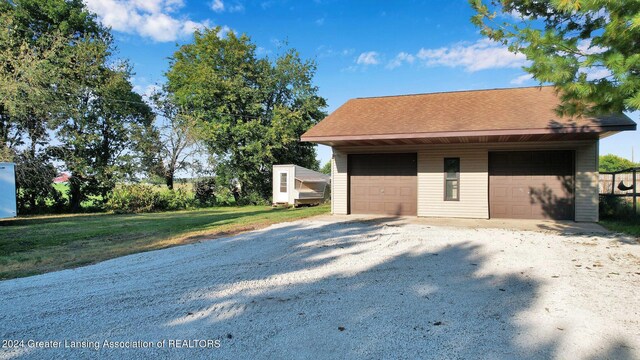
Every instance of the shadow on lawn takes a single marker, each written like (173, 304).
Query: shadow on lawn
(100, 217)
(416, 303)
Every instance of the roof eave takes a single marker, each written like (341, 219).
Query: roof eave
(455, 134)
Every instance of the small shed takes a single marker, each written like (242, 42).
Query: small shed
(7, 190)
(295, 185)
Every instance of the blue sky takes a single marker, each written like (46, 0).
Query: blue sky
(362, 48)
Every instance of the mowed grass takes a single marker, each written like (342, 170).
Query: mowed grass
(629, 226)
(36, 245)
(625, 222)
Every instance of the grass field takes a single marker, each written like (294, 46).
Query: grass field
(35, 245)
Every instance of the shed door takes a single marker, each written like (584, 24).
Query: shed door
(281, 187)
(531, 185)
(383, 184)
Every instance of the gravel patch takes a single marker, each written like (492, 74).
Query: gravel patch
(318, 288)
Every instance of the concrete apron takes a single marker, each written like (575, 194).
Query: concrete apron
(560, 226)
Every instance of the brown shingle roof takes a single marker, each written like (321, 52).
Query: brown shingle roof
(482, 112)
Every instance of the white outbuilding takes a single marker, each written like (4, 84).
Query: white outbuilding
(7, 190)
(295, 185)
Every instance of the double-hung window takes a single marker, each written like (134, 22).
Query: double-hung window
(451, 179)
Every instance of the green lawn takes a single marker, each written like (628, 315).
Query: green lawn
(34, 245)
(619, 217)
(631, 227)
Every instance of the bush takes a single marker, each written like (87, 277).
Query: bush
(252, 198)
(138, 198)
(176, 199)
(612, 207)
(205, 191)
(132, 198)
(224, 197)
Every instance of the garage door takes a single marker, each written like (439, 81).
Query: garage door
(531, 185)
(383, 184)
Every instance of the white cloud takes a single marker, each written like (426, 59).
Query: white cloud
(514, 15)
(225, 30)
(324, 51)
(217, 6)
(147, 91)
(368, 58)
(144, 87)
(521, 79)
(585, 47)
(220, 6)
(480, 55)
(320, 22)
(401, 58)
(595, 73)
(149, 18)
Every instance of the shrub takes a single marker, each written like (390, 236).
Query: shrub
(138, 198)
(612, 207)
(252, 198)
(205, 191)
(133, 198)
(176, 199)
(224, 197)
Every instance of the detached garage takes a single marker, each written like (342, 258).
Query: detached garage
(502, 153)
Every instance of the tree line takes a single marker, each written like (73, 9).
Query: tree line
(67, 102)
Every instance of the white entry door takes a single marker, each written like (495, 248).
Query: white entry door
(282, 187)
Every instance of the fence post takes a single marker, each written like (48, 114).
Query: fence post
(613, 184)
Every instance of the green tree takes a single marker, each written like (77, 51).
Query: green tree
(105, 138)
(326, 168)
(48, 49)
(248, 111)
(610, 162)
(588, 49)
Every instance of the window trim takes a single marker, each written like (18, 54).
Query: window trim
(285, 183)
(445, 179)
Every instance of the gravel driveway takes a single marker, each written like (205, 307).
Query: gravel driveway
(331, 288)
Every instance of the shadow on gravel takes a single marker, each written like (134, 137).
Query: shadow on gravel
(338, 298)
(339, 290)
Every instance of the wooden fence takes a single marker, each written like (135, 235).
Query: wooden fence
(621, 184)
(606, 182)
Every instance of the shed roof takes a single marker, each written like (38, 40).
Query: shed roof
(500, 112)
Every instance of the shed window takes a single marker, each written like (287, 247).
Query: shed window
(452, 179)
(283, 182)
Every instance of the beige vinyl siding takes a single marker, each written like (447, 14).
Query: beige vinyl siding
(587, 182)
(339, 181)
(474, 176)
(474, 183)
